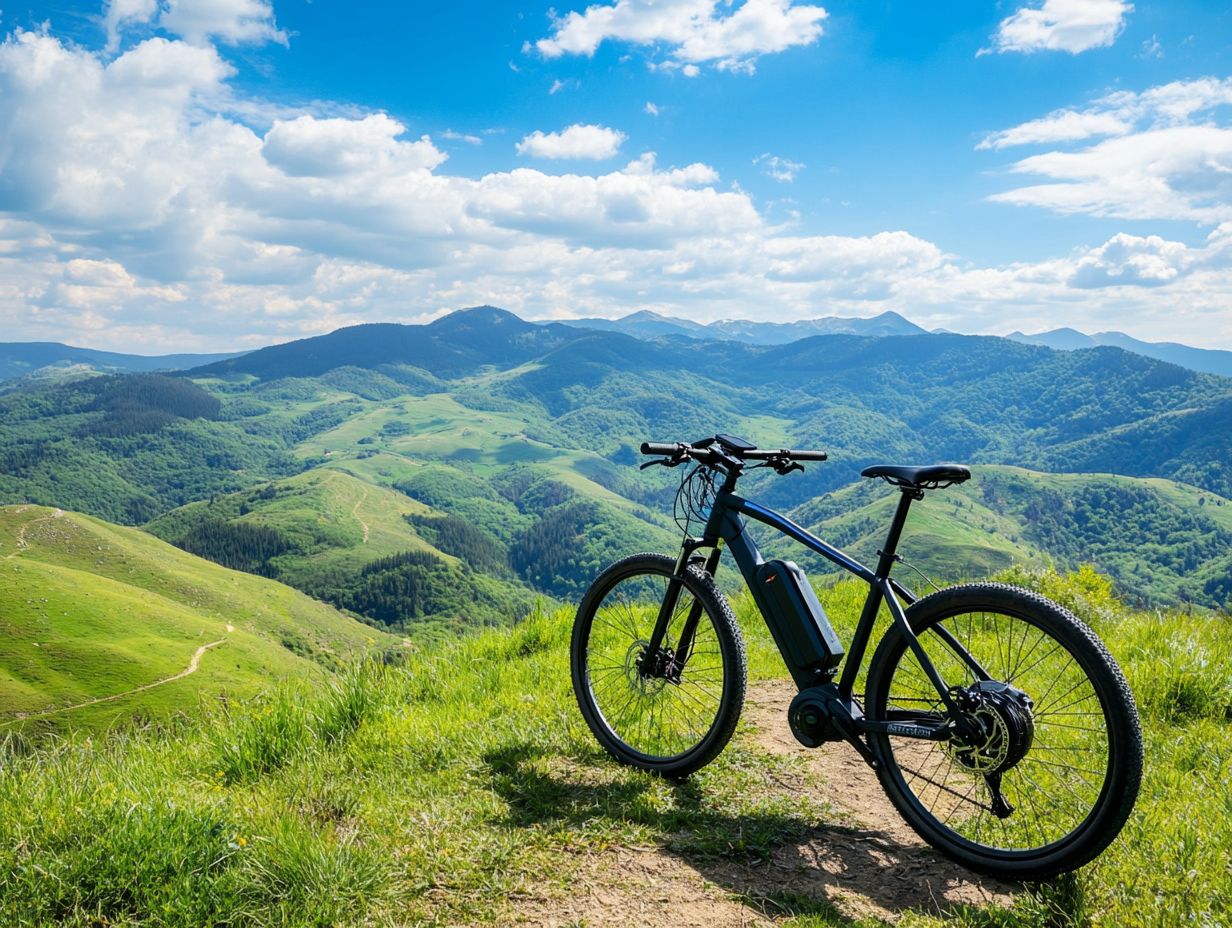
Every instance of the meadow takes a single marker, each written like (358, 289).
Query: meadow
(461, 787)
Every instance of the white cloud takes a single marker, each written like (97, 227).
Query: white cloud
(234, 22)
(694, 31)
(1063, 25)
(781, 169)
(454, 136)
(650, 109)
(138, 210)
(578, 142)
(1131, 259)
(1167, 155)
(122, 13)
(1062, 126)
(311, 147)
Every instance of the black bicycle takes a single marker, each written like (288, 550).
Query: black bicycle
(998, 724)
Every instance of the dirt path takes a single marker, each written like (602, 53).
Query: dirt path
(355, 513)
(22, 544)
(865, 862)
(187, 671)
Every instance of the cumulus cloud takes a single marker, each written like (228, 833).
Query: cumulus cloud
(578, 142)
(311, 147)
(138, 209)
(1131, 259)
(1062, 25)
(122, 13)
(1165, 155)
(233, 22)
(694, 32)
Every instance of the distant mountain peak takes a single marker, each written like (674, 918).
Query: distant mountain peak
(649, 324)
(1206, 360)
(649, 315)
(488, 315)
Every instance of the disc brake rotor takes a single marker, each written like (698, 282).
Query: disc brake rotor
(645, 685)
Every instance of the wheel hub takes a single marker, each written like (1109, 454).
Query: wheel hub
(636, 667)
(1000, 727)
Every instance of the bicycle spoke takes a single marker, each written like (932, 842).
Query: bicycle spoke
(1054, 784)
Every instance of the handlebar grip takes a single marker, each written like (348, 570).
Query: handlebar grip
(765, 454)
(654, 447)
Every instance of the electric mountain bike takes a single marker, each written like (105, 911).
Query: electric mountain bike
(998, 724)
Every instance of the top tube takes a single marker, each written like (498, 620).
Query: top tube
(782, 524)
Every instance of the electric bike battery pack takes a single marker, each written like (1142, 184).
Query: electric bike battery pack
(797, 620)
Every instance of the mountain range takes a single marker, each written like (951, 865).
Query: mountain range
(22, 359)
(646, 324)
(443, 475)
(1207, 360)
(52, 361)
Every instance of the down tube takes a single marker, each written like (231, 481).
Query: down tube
(794, 640)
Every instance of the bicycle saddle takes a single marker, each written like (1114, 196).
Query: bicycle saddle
(929, 477)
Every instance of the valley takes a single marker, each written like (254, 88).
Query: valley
(432, 478)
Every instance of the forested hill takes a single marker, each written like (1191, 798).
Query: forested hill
(519, 443)
(454, 345)
(973, 397)
(19, 359)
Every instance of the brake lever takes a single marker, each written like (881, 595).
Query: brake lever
(666, 462)
(783, 468)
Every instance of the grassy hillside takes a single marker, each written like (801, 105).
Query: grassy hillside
(359, 546)
(91, 611)
(463, 789)
(1161, 542)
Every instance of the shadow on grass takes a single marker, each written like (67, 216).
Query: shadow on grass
(782, 865)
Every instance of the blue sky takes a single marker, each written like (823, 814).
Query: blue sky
(202, 174)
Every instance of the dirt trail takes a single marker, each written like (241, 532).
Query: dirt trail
(355, 513)
(22, 544)
(190, 669)
(354, 509)
(867, 862)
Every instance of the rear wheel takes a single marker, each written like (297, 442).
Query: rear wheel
(670, 712)
(1050, 763)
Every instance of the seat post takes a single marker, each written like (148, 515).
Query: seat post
(909, 494)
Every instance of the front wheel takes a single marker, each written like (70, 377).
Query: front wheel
(1049, 762)
(674, 710)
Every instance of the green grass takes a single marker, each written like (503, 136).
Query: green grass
(90, 610)
(333, 519)
(453, 789)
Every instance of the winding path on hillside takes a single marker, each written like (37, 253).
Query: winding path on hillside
(22, 544)
(355, 513)
(187, 671)
(354, 509)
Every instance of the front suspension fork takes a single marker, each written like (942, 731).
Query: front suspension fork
(684, 645)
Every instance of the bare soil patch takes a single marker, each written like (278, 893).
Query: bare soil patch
(864, 862)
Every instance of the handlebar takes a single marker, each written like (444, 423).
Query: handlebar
(726, 450)
(651, 447)
(765, 454)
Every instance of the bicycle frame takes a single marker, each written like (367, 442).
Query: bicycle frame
(725, 527)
